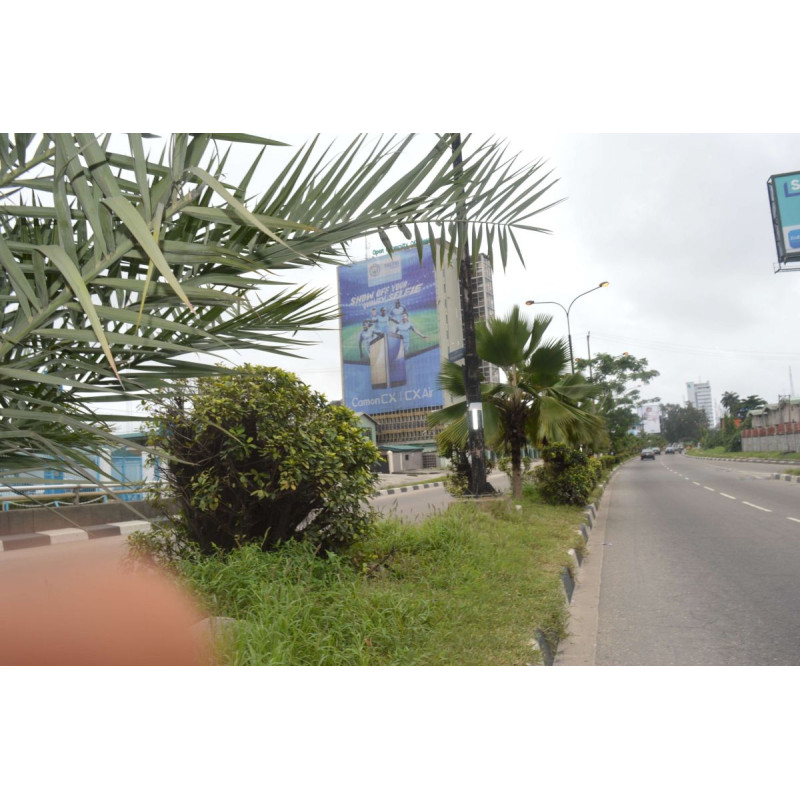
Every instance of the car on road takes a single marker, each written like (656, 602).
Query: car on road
(648, 453)
(656, 450)
(669, 449)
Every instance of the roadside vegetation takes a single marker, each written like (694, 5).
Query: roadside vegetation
(721, 452)
(469, 586)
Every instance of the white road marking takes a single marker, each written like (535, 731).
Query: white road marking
(709, 489)
(729, 496)
(793, 519)
(753, 505)
(696, 483)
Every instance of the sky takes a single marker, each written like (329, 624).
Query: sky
(680, 227)
(626, 101)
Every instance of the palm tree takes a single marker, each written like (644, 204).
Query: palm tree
(118, 269)
(731, 402)
(539, 402)
(749, 403)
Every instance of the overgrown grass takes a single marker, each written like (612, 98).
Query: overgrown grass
(719, 452)
(466, 587)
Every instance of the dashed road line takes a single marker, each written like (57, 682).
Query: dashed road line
(709, 489)
(729, 496)
(760, 508)
(696, 483)
(793, 519)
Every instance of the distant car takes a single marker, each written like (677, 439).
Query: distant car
(648, 453)
(656, 450)
(669, 450)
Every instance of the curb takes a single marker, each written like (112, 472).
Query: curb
(400, 489)
(569, 577)
(20, 541)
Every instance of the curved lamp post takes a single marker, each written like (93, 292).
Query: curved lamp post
(566, 311)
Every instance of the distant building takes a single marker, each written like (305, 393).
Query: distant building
(775, 427)
(699, 395)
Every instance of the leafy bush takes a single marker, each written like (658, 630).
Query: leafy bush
(609, 462)
(458, 478)
(257, 456)
(565, 477)
(728, 438)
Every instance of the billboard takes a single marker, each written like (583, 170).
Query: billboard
(390, 333)
(784, 201)
(650, 416)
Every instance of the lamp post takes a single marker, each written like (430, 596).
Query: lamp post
(566, 311)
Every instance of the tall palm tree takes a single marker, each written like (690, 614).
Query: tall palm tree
(118, 268)
(539, 402)
(730, 401)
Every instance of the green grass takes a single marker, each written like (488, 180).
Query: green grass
(719, 452)
(465, 587)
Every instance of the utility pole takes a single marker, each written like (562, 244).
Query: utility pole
(472, 368)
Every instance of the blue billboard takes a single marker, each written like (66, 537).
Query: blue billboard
(784, 194)
(390, 332)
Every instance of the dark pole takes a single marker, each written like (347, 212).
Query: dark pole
(472, 367)
(571, 356)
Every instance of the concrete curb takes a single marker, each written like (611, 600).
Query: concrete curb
(400, 489)
(570, 577)
(19, 541)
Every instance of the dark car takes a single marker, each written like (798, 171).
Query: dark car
(648, 453)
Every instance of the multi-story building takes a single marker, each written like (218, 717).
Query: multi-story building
(400, 320)
(699, 395)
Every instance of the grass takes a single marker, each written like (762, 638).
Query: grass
(719, 452)
(468, 586)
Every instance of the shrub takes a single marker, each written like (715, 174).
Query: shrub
(565, 477)
(458, 478)
(257, 456)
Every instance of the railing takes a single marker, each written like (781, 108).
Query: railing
(54, 495)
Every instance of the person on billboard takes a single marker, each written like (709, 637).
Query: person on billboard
(383, 324)
(396, 314)
(366, 337)
(405, 328)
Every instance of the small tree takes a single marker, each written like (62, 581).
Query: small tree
(619, 380)
(258, 456)
(539, 402)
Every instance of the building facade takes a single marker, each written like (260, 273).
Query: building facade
(775, 427)
(699, 395)
(401, 318)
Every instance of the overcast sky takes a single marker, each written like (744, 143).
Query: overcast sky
(679, 224)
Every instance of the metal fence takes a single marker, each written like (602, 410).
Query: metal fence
(53, 495)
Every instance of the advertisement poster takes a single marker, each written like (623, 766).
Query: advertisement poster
(785, 201)
(390, 333)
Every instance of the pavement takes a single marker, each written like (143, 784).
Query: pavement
(387, 484)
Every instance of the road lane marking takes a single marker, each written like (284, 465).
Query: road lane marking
(696, 483)
(729, 496)
(753, 505)
(708, 488)
(793, 519)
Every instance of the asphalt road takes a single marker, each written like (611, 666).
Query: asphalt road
(691, 562)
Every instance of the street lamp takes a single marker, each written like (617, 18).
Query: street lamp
(566, 311)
